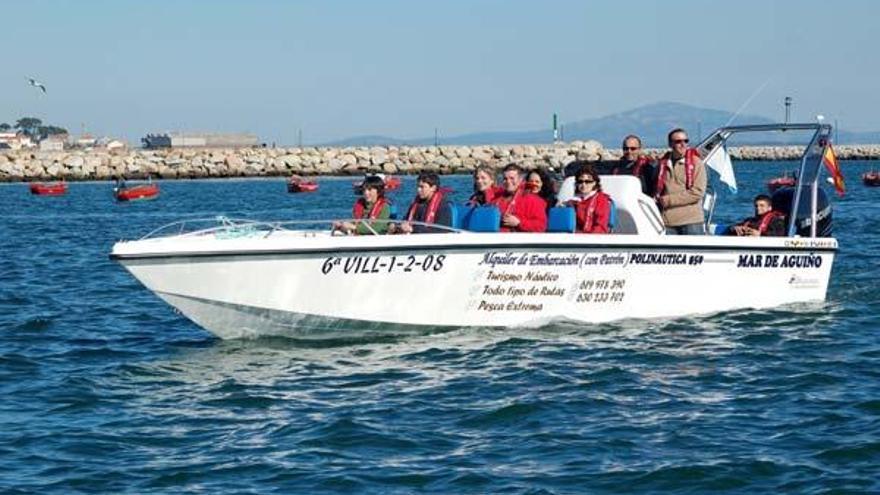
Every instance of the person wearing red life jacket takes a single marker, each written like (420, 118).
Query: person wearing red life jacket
(592, 206)
(429, 207)
(371, 211)
(766, 222)
(521, 211)
(485, 189)
(633, 162)
(540, 182)
(680, 187)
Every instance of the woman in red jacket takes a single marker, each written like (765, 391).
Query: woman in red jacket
(485, 189)
(592, 206)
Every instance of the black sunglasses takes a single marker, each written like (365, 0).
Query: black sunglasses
(680, 141)
(584, 182)
(630, 148)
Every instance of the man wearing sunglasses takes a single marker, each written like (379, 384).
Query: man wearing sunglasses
(633, 162)
(680, 187)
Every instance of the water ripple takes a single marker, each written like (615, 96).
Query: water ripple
(105, 389)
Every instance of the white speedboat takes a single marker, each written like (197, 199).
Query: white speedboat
(242, 278)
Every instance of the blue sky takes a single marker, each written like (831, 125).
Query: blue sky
(401, 68)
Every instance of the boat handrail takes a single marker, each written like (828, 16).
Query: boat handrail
(235, 227)
(809, 170)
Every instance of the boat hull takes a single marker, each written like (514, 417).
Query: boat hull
(137, 193)
(302, 187)
(871, 180)
(53, 189)
(324, 288)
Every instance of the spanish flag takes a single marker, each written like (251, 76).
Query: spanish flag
(833, 167)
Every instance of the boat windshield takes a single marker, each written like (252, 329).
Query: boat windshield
(807, 186)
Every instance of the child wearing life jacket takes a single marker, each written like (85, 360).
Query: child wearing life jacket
(766, 222)
(371, 211)
(430, 206)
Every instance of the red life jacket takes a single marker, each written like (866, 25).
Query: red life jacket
(360, 205)
(501, 194)
(598, 200)
(641, 163)
(766, 219)
(431, 211)
(488, 196)
(690, 167)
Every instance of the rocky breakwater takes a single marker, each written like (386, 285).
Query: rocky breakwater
(25, 165)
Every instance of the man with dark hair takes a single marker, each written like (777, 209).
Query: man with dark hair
(680, 187)
(521, 211)
(766, 222)
(633, 162)
(430, 206)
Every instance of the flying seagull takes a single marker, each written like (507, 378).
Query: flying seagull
(37, 84)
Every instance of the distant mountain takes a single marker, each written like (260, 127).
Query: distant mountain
(650, 122)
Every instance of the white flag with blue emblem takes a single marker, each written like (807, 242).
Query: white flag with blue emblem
(719, 161)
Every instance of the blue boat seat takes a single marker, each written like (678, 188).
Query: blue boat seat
(561, 219)
(718, 229)
(461, 215)
(612, 217)
(484, 219)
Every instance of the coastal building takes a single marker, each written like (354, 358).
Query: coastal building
(85, 141)
(52, 144)
(16, 140)
(199, 140)
(109, 143)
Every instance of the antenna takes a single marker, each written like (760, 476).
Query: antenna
(749, 100)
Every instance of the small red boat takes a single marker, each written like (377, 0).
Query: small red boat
(49, 188)
(391, 183)
(297, 184)
(134, 193)
(787, 180)
(871, 179)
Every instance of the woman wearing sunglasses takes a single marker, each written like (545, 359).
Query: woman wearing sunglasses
(592, 206)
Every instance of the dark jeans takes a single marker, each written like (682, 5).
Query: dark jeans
(689, 229)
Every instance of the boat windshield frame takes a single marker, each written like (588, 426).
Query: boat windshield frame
(811, 158)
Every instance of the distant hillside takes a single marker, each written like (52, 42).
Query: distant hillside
(651, 122)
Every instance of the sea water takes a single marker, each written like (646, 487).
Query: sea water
(105, 389)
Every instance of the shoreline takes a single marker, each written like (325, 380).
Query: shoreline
(203, 163)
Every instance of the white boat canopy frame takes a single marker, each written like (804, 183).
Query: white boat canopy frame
(808, 175)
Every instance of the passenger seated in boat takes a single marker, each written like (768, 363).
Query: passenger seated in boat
(592, 206)
(371, 211)
(485, 190)
(766, 222)
(540, 182)
(632, 162)
(430, 206)
(680, 187)
(521, 211)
